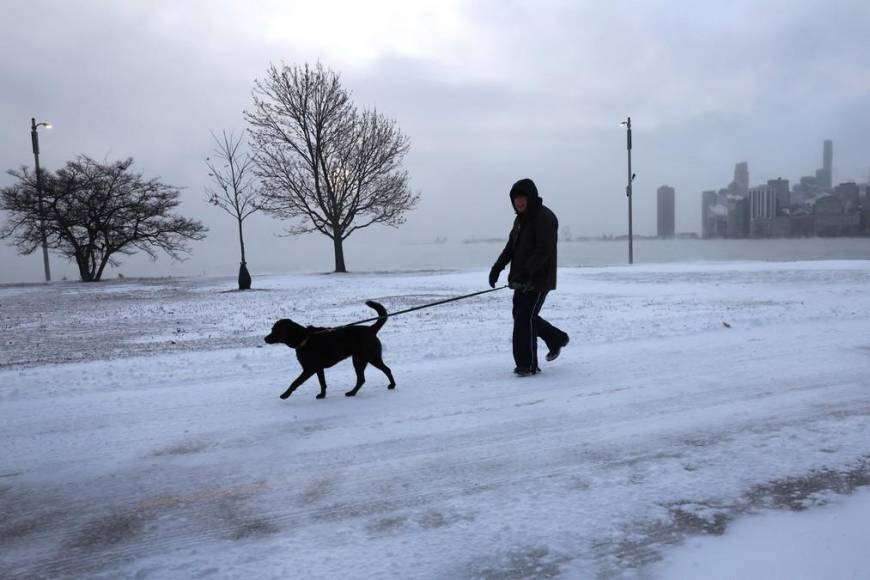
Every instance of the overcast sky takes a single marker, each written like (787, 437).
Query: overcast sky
(488, 92)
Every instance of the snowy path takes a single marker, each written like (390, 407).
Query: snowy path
(657, 423)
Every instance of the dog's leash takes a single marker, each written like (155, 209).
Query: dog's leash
(430, 305)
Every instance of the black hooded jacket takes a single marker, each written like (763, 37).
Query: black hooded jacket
(531, 246)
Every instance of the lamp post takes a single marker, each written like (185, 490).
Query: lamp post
(34, 136)
(631, 176)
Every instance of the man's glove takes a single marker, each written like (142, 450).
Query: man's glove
(493, 276)
(522, 286)
(520, 281)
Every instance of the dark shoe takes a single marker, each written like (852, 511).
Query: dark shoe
(554, 354)
(525, 372)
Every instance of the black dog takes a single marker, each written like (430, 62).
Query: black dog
(320, 348)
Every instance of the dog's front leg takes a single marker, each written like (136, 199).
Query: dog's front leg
(359, 365)
(321, 376)
(299, 380)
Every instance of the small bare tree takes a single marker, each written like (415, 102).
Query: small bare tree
(322, 160)
(94, 211)
(236, 189)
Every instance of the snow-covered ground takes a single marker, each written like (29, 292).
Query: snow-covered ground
(141, 434)
(828, 542)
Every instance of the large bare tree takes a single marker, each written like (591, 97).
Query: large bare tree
(235, 192)
(95, 211)
(321, 159)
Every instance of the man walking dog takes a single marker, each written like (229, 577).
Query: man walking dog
(531, 251)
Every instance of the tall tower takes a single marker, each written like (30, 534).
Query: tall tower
(741, 178)
(783, 195)
(666, 210)
(828, 163)
(708, 200)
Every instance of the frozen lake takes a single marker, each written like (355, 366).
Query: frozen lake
(141, 434)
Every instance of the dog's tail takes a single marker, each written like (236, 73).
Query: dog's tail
(382, 313)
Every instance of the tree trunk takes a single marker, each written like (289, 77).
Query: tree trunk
(244, 277)
(339, 255)
(85, 274)
(242, 242)
(99, 274)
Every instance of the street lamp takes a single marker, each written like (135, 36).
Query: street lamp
(34, 136)
(631, 176)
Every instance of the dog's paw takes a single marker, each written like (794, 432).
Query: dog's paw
(284, 395)
(350, 394)
(391, 387)
(320, 396)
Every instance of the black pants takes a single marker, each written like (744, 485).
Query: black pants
(529, 326)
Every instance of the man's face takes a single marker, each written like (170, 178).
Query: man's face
(520, 203)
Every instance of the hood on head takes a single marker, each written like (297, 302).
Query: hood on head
(526, 187)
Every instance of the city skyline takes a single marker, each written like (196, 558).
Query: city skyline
(811, 207)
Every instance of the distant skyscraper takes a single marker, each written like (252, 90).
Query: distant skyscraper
(762, 203)
(666, 210)
(783, 195)
(828, 163)
(850, 194)
(708, 220)
(741, 178)
(738, 218)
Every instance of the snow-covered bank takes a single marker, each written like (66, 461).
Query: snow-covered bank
(161, 450)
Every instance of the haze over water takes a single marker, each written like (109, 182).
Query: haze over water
(461, 255)
(371, 256)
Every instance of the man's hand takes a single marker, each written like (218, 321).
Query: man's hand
(521, 281)
(493, 276)
(522, 286)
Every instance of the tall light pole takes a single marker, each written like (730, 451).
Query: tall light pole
(631, 176)
(34, 137)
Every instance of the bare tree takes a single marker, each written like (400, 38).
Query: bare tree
(322, 160)
(236, 189)
(94, 211)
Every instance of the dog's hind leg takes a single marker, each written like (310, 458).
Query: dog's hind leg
(295, 384)
(379, 364)
(322, 378)
(359, 365)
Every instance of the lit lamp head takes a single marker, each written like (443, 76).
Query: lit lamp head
(34, 125)
(34, 136)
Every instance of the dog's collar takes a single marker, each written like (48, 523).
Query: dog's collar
(304, 341)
